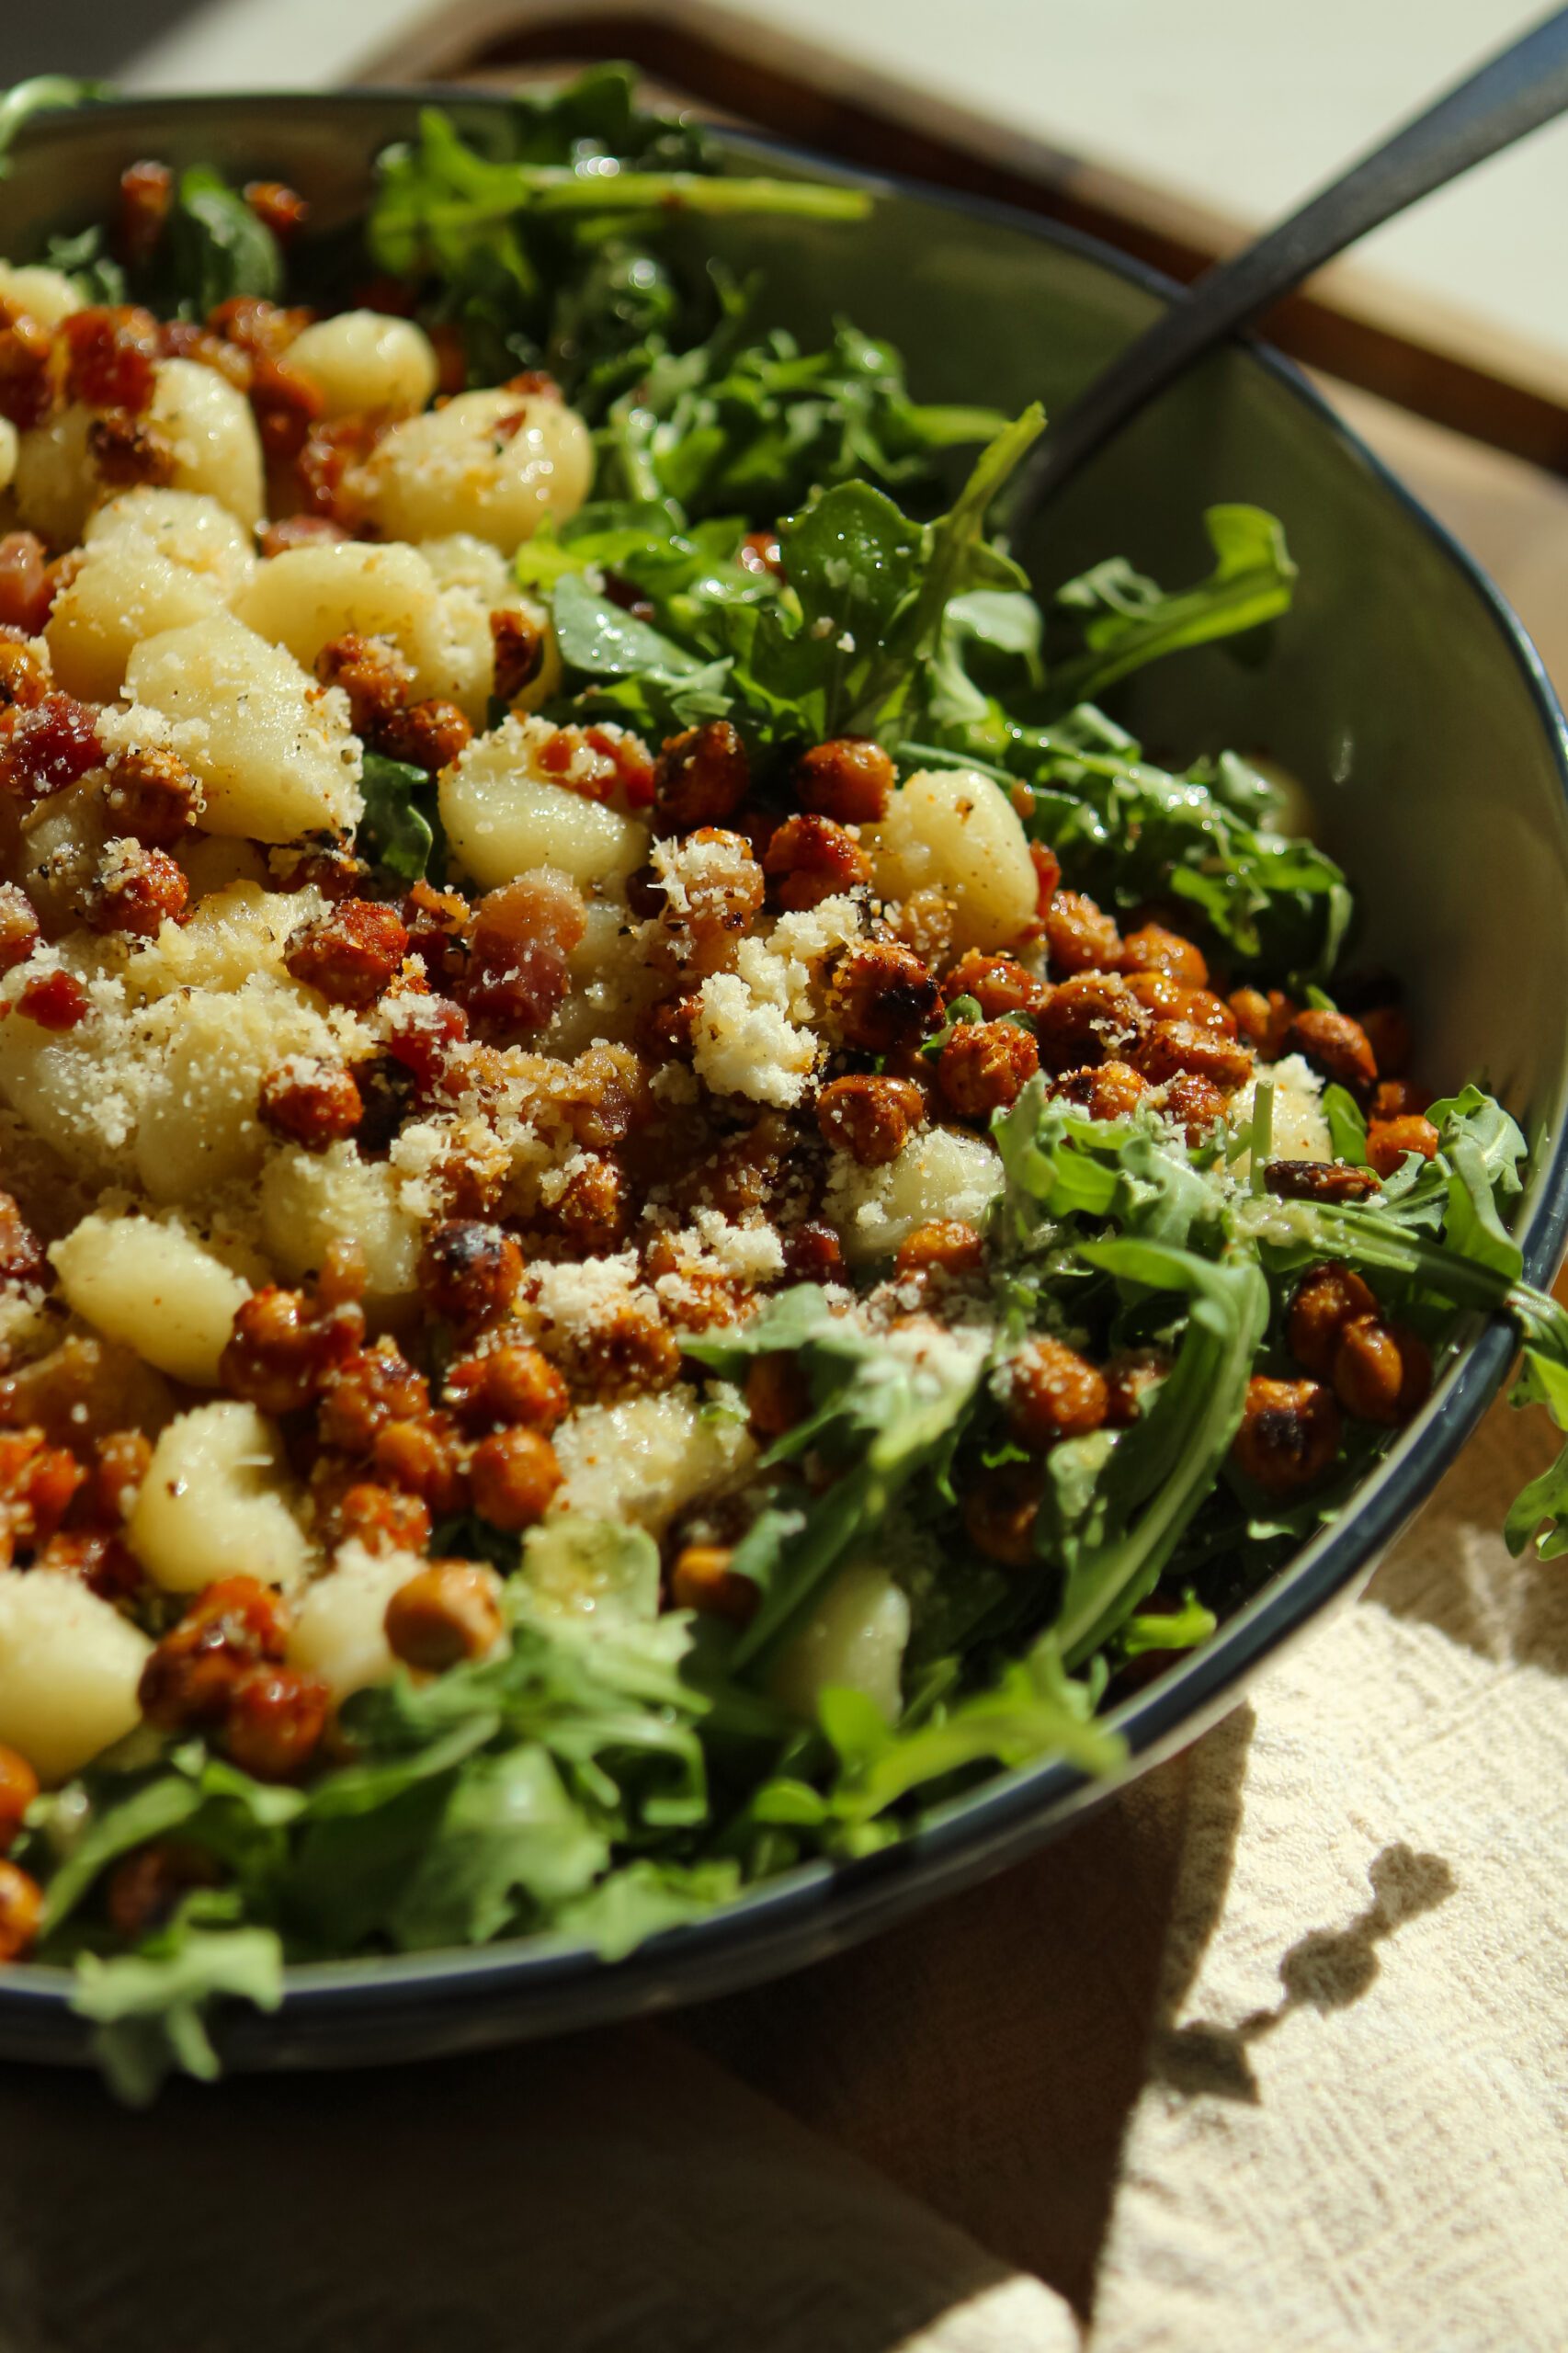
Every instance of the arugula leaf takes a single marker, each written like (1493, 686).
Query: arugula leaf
(758, 430)
(1126, 831)
(882, 1417)
(43, 94)
(213, 249)
(1033, 1710)
(547, 252)
(1125, 620)
(401, 829)
(1346, 1126)
(151, 2008)
(1166, 1629)
(1166, 1463)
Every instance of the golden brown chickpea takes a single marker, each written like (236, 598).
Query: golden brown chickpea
(944, 1246)
(514, 1473)
(777, 1395)
(1381, 1372)
(1052, 1393)
(509, 1386)
(1000, 1512)
(1388, 1141)
(1128, 1376)
(850, 779)
(18, 1787)
(872, 1119)
(1079, 937)
(885, 997)
(449, 1612)
(21, 1912)
(1335, 1044)
(984, 1066)
(1094, 1017)
(1289, 1437)
(702, 1579)
(1182, 1049)
(1327, 1299)
(1152, 949)
(1105, 1090)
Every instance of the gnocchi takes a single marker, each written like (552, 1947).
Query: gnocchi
(217, 1500)
(492, 464)
(69, 1670)
(955, 830)
(155, 1286)
(361, 359)
(503, 815)
(273, 751)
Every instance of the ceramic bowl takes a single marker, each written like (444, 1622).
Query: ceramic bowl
(1401, 688)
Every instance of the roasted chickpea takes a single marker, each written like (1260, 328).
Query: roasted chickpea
(449, 1612)
(884, 996)
(1079, 936)
(1388, 1141)
(703, 1580)
(1094, 1017)
(351, 955)
(281, 1351)
(1052, 1393)
(944, 1246)
(850, 779)
(469, 1271)
(1105, 1090)
(275, 1720)
(509, 1386)
(1289, 1437)
(701, 778)
(1000, 1512)
(811, 859)
(146, 1887)
(1152, 949)
(1183, 1049)
(872, 1118)
(21, 1912)
(18, 1787)
(1381, 1372)
(777, 1395)
(1196, 1105)
(514, 1473)
(311, 1103)
(1336, 1045)
(984, 1066)
(998, 984)
(1128, 1377)
(1327, 1299)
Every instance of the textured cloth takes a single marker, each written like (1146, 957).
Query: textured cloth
(1270, 2053)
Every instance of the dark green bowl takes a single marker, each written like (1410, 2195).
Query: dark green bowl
(1401, 690)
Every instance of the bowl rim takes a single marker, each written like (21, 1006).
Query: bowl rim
(818, 1905)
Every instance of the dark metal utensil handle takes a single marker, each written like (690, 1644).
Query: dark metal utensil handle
(1525, 85)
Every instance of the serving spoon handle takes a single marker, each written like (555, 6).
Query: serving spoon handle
(1515, 92)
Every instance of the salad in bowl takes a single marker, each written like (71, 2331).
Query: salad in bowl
(661, 1201)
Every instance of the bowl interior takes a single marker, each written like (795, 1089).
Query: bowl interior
(1399, 692)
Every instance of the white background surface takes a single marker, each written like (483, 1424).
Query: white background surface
(1239, 105)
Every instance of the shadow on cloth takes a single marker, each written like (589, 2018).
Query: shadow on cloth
(611, 2194)
(1326, 1970)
